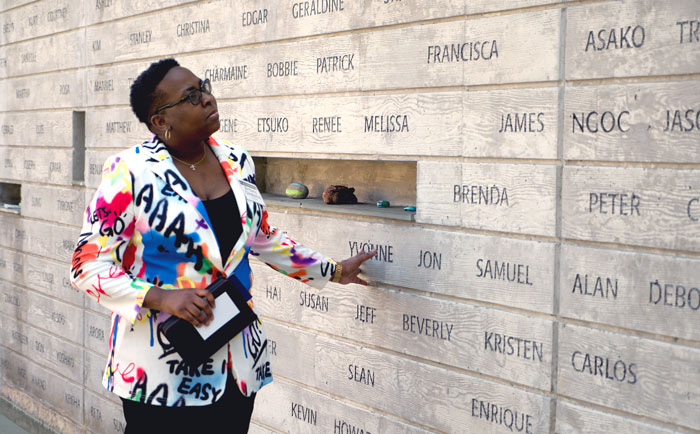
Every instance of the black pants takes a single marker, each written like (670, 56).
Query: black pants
(230, 414)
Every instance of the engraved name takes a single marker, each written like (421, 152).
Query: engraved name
(397, 123)
(481, 195)
(192, 28)
(626, 204)
(616, 38)
(137, 38)
(599, 286)
(335, 63)
(599, 366)
(251, 18)
(505, 271)
(226, 73)
(117, 127)
(316, 7)
(513, 346)
(674, 295)
(330, 124)
(104, 85)
(463, 52)
(521, 123)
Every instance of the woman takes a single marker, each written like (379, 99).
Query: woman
(171, 216)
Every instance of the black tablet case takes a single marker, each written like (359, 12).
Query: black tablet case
(190, 345)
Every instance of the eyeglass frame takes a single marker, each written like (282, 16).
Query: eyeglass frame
(189, 96)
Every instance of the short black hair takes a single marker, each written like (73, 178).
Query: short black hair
(143, 89)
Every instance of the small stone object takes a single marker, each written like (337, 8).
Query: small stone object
(410, 208)
(339, 194)
(296, 190)
(383, 204)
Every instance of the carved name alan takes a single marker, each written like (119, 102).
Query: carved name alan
(683, 121)
(626, 204)
(513, 346)
(342, 427)
(386, 123)
(616, 38)
(313, 301)
(118, 127)
(506, 271)
(385, 252)
(425, 326)
(137, 38)
(229, 125)
(273, 293)
(328, 124)
(521, 123)
(226, 73)
(693, 31)
(251, 18)
(463, 52)
(481, 195)
(361, 375)
(514, 420)
(335, 63)
(273, 125)
(674, 295)
(316, 7)
(192, 28)
(602, 286)
(600, 366)
(304, 414)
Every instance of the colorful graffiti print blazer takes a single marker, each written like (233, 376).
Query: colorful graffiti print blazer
(145, 227)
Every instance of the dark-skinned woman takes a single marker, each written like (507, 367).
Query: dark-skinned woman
(170, 216)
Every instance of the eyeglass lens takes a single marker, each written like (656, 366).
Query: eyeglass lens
(195, 97)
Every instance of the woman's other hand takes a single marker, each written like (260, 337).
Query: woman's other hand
(351, 268)
(192, 305)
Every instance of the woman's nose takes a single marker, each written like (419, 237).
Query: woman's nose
(207, 99)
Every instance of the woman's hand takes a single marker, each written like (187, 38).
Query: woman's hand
(192, 305)
(351, 267)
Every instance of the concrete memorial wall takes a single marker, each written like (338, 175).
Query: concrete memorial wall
(548, 280)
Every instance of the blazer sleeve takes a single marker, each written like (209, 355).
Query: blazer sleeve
(107, 241)
(274, 247)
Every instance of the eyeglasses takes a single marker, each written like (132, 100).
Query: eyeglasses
(194, 97)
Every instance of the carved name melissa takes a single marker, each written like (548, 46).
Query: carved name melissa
(395, 123)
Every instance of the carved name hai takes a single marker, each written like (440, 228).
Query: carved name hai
(683, 121)
(304, 414)
(505, 271)
(463, 52)
(138, 38)
(361, 374)
(328, 124)
(316, 7)
(591, 364)
(425, 326)
(674, 295)
(273, 293)
(615, 38)
(626, 204)
(283, 68)
(313, 301)
(226, 73)
(251, 18)
(386, 123)
(513, 346)
(192, 28)
(481, 195)
(514, 420)
(594, 122)
(693, 29)
(603, 286)
(521, 123)
(335, 63)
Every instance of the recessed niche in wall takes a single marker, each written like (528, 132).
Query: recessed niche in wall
(78, 147)
(394, 181)
(10, 196)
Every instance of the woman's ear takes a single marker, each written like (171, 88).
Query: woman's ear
(159, 124)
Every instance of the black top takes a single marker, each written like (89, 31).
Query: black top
(226, 222)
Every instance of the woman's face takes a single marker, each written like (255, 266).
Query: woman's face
(188, 123)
